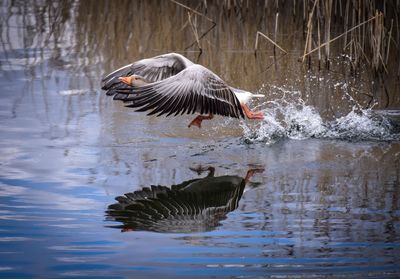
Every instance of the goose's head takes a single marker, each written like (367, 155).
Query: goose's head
(133, 80)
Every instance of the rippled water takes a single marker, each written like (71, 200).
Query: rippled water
(311, 191)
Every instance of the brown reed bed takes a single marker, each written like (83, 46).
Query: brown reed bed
(366, 31)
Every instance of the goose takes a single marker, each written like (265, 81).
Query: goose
(172, 84)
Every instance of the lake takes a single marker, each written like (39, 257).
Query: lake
(310, 191)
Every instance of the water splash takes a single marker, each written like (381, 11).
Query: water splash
(363, 125)
(289, 117)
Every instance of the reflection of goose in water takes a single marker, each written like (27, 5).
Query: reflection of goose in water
(194, 205)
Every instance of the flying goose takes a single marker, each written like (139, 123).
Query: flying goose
(172, 84)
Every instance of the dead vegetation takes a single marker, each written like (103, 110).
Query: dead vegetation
(366, 31)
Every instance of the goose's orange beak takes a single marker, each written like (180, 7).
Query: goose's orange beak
(126, 80)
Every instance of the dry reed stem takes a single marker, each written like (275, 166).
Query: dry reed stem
(348, 44)
(266, 37)
(200, 14)
(193, 11)
(273, 63)
(346, 21)
(377, 38)
(341, 35)
(319, 49)
(365, 56)
(383, 63)
(187, 21)
(309, 28)
(194, 29)
(276, 29)
(328, 13)
(388, 47)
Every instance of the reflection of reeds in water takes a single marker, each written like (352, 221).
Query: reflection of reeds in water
(113, 31)
(364, 25)
(94, 37)
(132, 32)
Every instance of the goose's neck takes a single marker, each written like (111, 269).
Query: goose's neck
(243, 96)
(239, 91)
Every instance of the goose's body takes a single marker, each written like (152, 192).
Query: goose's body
(172, 84)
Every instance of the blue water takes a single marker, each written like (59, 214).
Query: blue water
(318, 221)
(323, 203)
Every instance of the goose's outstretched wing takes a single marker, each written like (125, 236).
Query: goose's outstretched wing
(195, 89)
(152, 69)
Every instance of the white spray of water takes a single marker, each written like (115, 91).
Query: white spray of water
(360, 125)
(290, 117)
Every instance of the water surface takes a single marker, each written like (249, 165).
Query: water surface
(324, 201)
